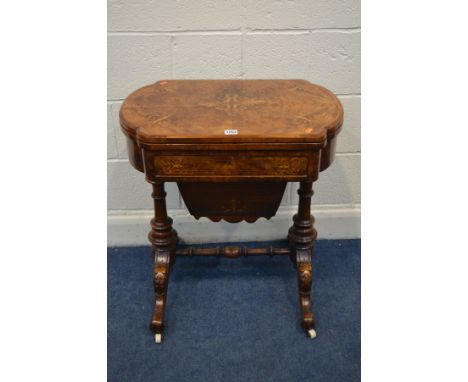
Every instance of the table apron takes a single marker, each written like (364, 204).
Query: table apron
(238, 165)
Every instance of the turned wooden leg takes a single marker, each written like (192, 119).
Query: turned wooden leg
(302, 236)
(163, 239)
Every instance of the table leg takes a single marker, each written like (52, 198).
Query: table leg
(163, 239)
(302, 236)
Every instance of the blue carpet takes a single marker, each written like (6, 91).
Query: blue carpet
(235, 319)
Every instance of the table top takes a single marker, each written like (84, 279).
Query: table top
(231, 111)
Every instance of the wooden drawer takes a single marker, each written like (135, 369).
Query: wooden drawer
(231, 165)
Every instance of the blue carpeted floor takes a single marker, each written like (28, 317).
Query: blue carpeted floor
(235, 319)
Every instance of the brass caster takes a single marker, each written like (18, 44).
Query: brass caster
(158, 338)
(312, 333)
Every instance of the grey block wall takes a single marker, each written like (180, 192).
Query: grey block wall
(317, 40)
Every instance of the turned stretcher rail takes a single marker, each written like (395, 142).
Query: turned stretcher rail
(231, 251)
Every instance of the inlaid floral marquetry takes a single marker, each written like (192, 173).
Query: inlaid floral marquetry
(259, 110)
(229, 165)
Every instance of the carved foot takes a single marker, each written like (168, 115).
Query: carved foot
(304, 273)
(160, 281)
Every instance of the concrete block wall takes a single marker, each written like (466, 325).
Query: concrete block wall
(317, 40)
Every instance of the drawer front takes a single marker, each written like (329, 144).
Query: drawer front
(230, 165)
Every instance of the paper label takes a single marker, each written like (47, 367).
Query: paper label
(230, 132)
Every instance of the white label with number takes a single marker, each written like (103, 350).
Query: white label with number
(231, 132)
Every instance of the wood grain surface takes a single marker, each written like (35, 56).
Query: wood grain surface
(206, 111)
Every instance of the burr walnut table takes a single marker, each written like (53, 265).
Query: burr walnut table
(231, 146)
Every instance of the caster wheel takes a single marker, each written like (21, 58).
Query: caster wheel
(312, 333)
(158, 338)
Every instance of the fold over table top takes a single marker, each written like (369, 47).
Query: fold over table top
(231, 111)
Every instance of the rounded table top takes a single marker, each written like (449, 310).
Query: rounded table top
(223, 111)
